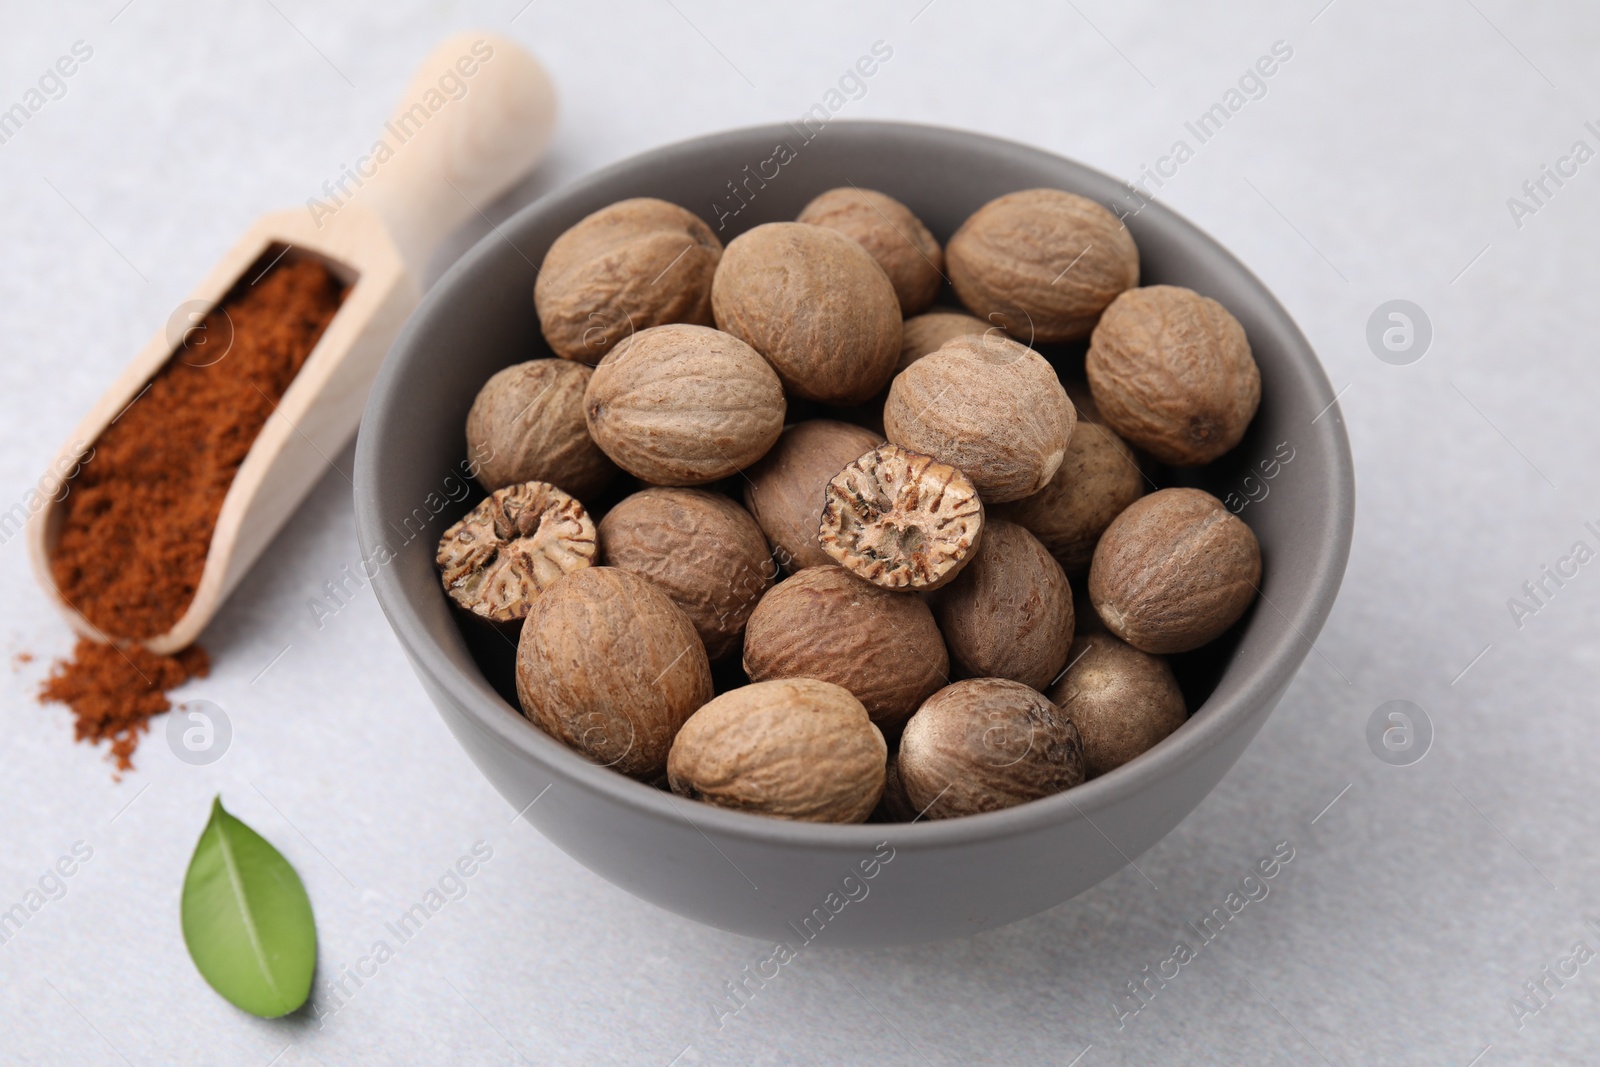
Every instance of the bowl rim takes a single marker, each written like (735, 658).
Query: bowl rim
(493, 715)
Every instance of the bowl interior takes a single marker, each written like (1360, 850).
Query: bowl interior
(1290, 478)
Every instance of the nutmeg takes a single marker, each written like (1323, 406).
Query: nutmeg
(511, 547)
(1041, 263)
(927, 333)
(701, 549)
(985, 744)
(1122, 701)
(815, 304)
(824, 622)
(636, 264)
(1174, 571)
(611, 668)
(1098, 477)
(684, 405)
(901, 520)
(527, 425)
(797, 748)
(1172, 372)
(1009, 613)
(891, 234)
(785, 491)
(988, 406)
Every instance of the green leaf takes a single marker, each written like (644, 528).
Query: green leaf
(247, 919)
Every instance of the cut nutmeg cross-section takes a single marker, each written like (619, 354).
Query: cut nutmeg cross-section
(509, 548)
(901, 520)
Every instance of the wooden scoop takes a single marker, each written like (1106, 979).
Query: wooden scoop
(451, 150)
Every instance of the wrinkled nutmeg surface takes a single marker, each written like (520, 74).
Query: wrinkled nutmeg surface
(611, 668)
(985, 744)
(1172, 373)
(511, 547)
(1174, 571)
(1099, 476)
(1122, 701)
(891, 234)
(786, 490)
(926, 333)
(901, 520)
(825, 623)
(1041, 263)
(636, 264)
(527, 425)
(794, 749)
(989, 406)
(684, 405)
(1009, 613)
(815, 304)
(701, 549)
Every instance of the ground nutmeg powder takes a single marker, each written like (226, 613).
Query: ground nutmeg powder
(138, 517)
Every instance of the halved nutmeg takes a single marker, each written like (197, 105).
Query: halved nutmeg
(517, 541)
(901, 520)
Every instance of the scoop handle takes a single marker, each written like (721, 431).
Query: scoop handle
(476, 117)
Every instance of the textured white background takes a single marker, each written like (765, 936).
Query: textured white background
(1377, 167)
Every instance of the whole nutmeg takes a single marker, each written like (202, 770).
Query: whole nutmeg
(786, 490)
(611, 668)
(891, 234)
(511, 547)
(986, 744)
(527, 425)
(1172, 373)
(793, 749)
(1099, 477)
(1009, 613)
(701, 549)
(815, 304)
(1121, 700)
(988, 406)
(1042, 263)
(901, 520)
(684, 405)
(927, 333)
(1174, 571)
(824, 622)
(636, 264)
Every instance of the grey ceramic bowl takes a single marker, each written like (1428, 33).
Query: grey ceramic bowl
(868, 884)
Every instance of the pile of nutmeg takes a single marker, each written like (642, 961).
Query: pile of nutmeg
(834, 576)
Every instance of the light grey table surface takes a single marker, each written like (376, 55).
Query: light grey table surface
(1377, 166)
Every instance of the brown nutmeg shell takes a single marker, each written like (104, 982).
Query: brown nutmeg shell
(795, 748)
(684, 405)
(611, 668)
(985, 744)
(1172, 373)
(630, 266)
(1009, 612)
(1122, 701)
(1042, 263)
(988, 406)
(823, 622)
(891, 234)
(527, 424)
(1174, 571)
(815, 304)
(701, 549)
